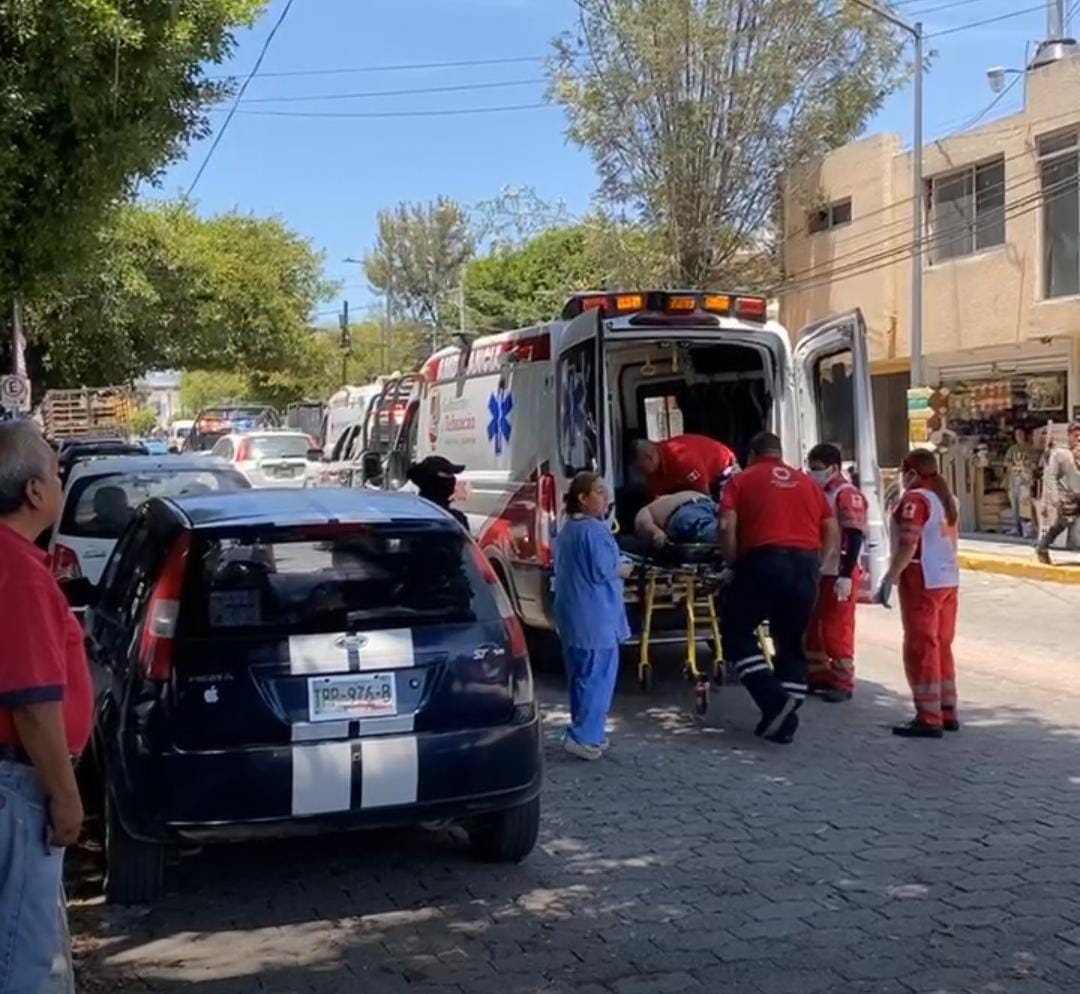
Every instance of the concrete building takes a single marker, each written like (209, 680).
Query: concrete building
(1001, 284)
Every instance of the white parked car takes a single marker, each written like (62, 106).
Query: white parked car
(270, 458)
(102, 494)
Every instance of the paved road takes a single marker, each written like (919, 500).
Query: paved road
(695, 858)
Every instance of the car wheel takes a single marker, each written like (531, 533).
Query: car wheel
(134, 870)
(507, 836)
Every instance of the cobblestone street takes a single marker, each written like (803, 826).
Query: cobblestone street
(694, 858)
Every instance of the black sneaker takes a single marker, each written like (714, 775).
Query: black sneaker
(915, 729)
(1044, 557)
(786, 734)
(951, 725)
(771, 724)
(837, 696)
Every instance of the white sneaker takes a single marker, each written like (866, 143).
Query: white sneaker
(582, 751)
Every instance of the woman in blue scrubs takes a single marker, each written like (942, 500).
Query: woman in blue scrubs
(589, 612)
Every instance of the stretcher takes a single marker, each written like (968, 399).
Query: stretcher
(686, 581)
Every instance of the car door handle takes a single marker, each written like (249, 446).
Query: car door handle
(94, 555)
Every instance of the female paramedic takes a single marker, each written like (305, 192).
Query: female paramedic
(925, 569)
(589, 612)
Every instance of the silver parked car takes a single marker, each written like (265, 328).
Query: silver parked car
(270, 458)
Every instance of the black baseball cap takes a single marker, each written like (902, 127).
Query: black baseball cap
(437, 466)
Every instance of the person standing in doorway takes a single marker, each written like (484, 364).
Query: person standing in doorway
(926, 571)
(776, 526)
(1061, 492)
(45, 709)
(589, 613)
(1020, 459)
(830, 640)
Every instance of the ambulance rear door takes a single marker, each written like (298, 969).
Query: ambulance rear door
(581, 401)
(835, 404)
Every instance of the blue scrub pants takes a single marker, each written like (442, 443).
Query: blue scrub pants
(590, 675)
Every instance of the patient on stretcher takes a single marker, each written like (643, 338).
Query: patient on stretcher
(685, 518)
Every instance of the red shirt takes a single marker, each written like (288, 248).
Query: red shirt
(688, 462)
(777, 506)
(910, 516)
(850, 503)
(41, 643)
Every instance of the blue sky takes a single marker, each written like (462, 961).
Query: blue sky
(328, 176)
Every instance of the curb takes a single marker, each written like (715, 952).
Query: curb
(1008, 566)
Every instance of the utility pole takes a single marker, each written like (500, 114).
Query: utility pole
(461, 304)
(916, 32)
(345, 343)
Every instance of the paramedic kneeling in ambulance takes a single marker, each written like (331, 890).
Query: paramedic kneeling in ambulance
(830, 642)
(685, 462)
(775, 527)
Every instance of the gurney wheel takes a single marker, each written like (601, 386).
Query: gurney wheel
(645, 679)
(701, 697)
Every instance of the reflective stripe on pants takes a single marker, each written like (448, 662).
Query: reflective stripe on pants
(929, 619)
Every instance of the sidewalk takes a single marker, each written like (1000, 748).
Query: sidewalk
(1016, 557)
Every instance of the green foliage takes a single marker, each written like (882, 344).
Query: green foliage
(692, 109)
(203, 388)
(143, 421)
(98, 95)
(419, 254)
(162, 288)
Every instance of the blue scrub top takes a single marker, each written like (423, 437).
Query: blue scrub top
(589, 609)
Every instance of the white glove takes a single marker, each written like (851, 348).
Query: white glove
(842, 588)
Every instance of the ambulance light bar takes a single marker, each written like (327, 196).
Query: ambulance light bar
(661, 304)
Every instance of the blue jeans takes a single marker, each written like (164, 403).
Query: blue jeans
(35, 954)
(693, 523)
(590, 675)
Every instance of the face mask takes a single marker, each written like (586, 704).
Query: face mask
(821, 475)
(439, 489)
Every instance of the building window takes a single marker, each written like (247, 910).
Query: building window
(829, 217)
(967, 211)
(1059, 171)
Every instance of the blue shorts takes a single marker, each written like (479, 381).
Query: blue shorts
(693, 523)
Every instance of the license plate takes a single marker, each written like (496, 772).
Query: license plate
(351, 696)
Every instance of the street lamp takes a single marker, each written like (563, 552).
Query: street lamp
(916, 32)
(384, 348)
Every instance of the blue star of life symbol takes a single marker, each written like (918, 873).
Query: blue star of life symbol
(500, 404)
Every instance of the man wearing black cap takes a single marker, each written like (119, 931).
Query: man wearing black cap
(436, 478)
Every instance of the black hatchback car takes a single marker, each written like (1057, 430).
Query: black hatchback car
(284, 662)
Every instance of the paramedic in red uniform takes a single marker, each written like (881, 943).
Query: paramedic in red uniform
(685, 462)
(925, 569)
(830, 640)
(775, 528)
(45, 700)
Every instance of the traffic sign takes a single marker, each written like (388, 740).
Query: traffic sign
(15, 393)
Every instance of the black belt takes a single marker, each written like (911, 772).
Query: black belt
(15, 754)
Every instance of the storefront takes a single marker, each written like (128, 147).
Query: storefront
(981, 404)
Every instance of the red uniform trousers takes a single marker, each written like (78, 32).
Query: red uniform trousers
(830, 639)
(929, 619)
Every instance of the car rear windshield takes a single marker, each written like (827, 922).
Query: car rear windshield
(101, 506)
(336, 579)
(279, 447)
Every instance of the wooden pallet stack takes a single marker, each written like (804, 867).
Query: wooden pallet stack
(87, 412)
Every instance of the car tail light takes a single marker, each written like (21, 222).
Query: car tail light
(243, 447)
(159, 630)
(515, 634)
(65, 564)
(545, 518)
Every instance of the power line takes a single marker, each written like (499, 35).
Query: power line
(443, 112)
(405, 67)
(240, 94)
(409, 91)
(987, 20)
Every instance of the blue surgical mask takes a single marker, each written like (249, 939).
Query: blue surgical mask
(821, 475)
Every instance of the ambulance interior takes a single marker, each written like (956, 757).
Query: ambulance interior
(671, 387)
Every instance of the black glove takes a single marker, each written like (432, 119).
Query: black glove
(884, 594)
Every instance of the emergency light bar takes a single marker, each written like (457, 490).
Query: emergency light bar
(676, 303)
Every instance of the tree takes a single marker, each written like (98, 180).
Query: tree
(693, 108)
(98, 95)
(418, 259)
(161, 288)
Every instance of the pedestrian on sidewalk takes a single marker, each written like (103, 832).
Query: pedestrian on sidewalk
(45, 706)
(1061, 493)
(589, 612)
(926, 571)
(830, 640)
(776, 527)
(1020, 460)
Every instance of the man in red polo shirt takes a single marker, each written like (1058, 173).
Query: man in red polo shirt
(775, 528)
(685, 462)
(45, 703)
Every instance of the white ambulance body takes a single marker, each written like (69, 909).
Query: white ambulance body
(525, 410)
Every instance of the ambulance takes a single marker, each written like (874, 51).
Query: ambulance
(524, 411)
